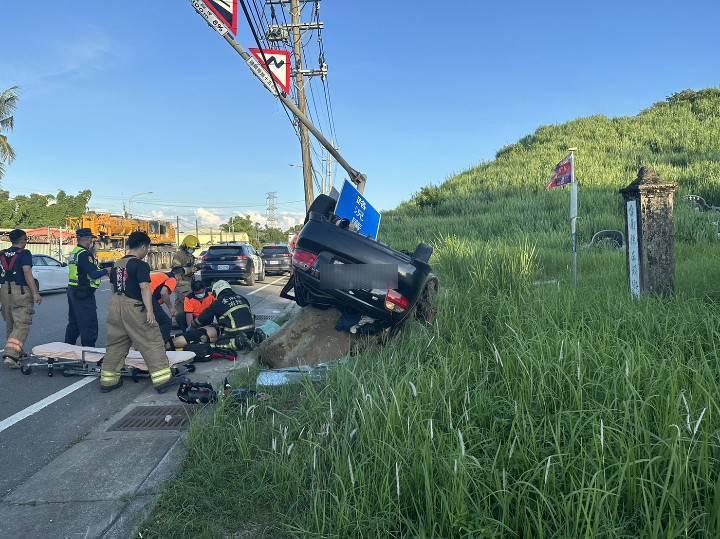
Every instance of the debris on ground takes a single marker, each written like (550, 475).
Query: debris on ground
(293, 375)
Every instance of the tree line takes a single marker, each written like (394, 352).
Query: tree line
(259, 235)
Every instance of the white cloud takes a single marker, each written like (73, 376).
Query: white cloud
(209, 218)
(285, 219)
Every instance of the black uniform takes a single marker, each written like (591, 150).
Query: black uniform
(235, 321)
(82, 308)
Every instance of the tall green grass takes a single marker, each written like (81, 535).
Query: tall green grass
(530, 409)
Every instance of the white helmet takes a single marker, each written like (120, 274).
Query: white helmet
(219, 286)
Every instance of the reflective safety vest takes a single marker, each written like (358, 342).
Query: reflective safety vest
(73, 276)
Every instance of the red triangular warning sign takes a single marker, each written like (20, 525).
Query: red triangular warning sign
(226, 11)
(277, 63)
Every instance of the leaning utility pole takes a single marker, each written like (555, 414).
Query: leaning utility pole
(266, 79)
(302, 103)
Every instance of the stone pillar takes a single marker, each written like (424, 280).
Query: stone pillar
(650, 241)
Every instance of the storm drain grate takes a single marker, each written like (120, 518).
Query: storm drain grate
(265, 317)
(155, 418)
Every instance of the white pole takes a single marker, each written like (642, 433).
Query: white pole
(573, 214)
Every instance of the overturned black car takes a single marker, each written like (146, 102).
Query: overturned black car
(390, 286)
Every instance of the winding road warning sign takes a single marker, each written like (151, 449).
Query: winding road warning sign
(277, 63)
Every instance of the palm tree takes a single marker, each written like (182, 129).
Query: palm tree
(8, 102)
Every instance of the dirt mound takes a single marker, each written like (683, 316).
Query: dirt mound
(308, 338)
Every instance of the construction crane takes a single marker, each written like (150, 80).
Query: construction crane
(113, 230)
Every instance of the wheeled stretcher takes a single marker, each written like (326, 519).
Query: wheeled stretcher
(72, 360)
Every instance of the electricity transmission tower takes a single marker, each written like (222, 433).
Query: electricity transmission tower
(271, 214)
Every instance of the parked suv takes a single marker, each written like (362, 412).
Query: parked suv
(327, 240)
(277, 258)
(231, 262)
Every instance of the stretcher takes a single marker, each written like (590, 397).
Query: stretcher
(72, 360)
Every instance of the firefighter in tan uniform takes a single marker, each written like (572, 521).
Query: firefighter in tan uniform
(18, 294)
(184, 258)
(131, 320)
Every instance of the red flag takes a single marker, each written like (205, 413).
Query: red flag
(562, 175)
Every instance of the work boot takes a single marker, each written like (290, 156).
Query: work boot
(12, 362)
(173, 382)
(108, 389)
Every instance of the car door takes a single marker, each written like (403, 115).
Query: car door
(57, 274)
(257, 261)
(40, 271)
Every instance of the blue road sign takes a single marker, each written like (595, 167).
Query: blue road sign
(353, 206)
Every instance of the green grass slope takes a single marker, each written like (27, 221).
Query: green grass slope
(530, 409)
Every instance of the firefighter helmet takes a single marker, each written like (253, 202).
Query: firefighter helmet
(190, 242)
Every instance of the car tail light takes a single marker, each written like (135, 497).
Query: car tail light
(287, 255)
(240, 258)
(304, 259)
(395, 301)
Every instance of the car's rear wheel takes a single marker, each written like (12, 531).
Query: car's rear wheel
(426, 308)
(261, 277)
(251, 276)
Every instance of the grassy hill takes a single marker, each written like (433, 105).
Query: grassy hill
(531, 409)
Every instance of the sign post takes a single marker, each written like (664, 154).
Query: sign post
(564, 174)
(354, 207)
(573, 214)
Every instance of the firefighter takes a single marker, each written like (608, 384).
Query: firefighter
(83, 280)
(194, 304)
(162, 286)
(18, 294)
(131, 320)
(235, 323)
(184, 258)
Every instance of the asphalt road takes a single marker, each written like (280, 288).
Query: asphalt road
(34, 441)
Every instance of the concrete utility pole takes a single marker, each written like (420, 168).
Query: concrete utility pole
(302, 103)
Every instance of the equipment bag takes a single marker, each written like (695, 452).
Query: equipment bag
(196, 393)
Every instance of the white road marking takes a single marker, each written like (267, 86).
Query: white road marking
(47, 401)
(263, 287)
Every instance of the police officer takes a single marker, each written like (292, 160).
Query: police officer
(184, 258)
(84, 280)
(18, 293)
(131, 320)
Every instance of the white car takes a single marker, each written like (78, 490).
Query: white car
(49, 273)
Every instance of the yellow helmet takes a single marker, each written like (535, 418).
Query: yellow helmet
(190, 242)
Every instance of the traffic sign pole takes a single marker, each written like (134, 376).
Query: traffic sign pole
(261, 73)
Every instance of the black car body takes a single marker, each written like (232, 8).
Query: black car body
(277, 258)
(231, 262)
(326, 240)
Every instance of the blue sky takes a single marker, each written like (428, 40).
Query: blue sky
(126, 97)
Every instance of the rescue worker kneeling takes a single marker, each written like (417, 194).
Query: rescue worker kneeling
(194, 304)
(235, 324)
(162, 285)
(131, 320)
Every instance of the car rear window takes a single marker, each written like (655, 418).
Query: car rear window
(225, 251)
(275, 249)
